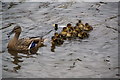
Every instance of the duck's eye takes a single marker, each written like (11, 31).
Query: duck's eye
(17, 27)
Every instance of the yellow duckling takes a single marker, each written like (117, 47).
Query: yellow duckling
(87, 27)
(57, 39)
(56, 35)
(77, 29)
(64, 31)
(69, 27)
(69, 35)
(74, 33)
(80, 24)
(83, 35)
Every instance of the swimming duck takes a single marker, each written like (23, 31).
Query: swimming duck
(69, 27)
(83, 35)
(87, 27)
(80, 24)
(64, 31)
(77, 29)
(74, 33)
(24, 44)
(69, 35)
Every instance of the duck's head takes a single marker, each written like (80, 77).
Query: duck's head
(86, 24)
(79, 21)
(68, 25)
(52, 38)
(56, 34)
(16, 29)
(77, 24)
(64, 28)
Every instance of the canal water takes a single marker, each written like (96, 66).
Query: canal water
(94, 57)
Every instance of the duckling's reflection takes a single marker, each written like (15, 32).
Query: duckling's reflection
(17, 59)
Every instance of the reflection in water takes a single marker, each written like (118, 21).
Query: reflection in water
(18, 59)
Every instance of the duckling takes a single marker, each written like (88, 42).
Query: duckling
(77, 29)
(87, 27)
(64, 31)
(74, 33)
(54, 40)
(69, 27)
(53, 48)
(69, 35)
(83, 35)
(80, 24)
(57, 40)
(56, 35)
(23, 44)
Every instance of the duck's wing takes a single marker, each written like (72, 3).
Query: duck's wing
(25, 43)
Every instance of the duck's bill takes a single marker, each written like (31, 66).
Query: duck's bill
(10, 33)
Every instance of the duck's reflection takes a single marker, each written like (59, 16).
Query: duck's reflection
(17, 59)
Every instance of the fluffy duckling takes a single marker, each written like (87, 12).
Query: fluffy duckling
(69, 35)
(56, 35)
(74, 33)
(64, 31)
(80, 24)
(69, 27)
(76, 28)
(83, 35)
(57, 39)
(87, 27)
(53, 40)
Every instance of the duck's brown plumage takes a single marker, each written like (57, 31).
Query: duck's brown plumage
(23, 44)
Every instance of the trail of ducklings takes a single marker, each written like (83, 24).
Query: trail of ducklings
(80, 31)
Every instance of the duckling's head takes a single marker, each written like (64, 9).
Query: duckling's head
(77, 24)
(56, 34)
(68, 25)
(64, 28)
(86, 24)
(52, 37)
(79, 21)
(16, 29)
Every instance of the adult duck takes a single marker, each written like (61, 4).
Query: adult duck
(24, 44)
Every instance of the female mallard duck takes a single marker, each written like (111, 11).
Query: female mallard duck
(87, 27)
(24, 44)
